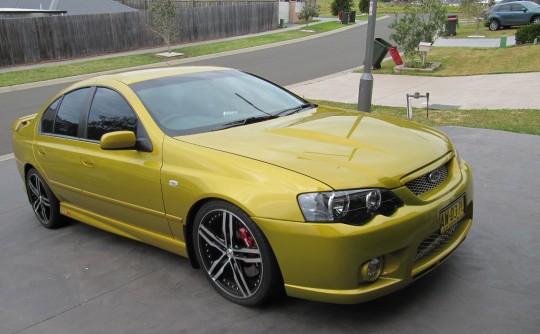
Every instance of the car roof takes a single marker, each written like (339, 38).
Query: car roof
(131, 77)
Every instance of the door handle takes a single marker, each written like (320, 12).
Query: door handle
(87, 162)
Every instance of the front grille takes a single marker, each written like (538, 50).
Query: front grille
(434, 242)
(423, 183)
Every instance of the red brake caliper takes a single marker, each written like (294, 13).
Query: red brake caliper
(251, 270)
(247, 239)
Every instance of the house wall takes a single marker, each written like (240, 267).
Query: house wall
(33, 40)
(289, 11)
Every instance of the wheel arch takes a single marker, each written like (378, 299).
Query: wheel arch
(188, 230)
(537, 16)
(190, 221)
(27, 167)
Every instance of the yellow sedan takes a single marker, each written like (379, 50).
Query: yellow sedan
(264, 191)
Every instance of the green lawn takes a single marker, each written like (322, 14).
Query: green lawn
(469, 29)
(474, 61)
(119, 62)
(520, 121)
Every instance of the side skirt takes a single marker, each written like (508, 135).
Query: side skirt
(114, 226)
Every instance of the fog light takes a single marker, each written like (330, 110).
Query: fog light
(372, 269)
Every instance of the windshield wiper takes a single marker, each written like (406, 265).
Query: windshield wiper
(249, 120)
(251, 104)
(296, 109)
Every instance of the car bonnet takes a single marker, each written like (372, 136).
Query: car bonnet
(340, 148)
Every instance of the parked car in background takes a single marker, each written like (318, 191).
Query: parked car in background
(506, 1)
(515, 13)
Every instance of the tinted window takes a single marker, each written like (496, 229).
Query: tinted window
(504, 8)
(109, 112)
(67, 119)
(517, 8)
(47, 121)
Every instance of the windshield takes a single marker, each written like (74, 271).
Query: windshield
(209, 101)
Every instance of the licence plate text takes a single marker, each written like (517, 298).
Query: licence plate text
(453, 213)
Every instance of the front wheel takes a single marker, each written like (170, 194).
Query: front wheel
(235, 255)
(44, 203)
(536, 19)
(494, 25)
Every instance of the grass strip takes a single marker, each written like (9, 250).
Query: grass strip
(519, 120)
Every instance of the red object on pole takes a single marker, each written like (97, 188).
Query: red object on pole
(395, 56)
(339, 15)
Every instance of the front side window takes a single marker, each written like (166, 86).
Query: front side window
(67, 119)
(109, 112)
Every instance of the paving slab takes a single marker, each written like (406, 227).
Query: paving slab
(493, 91)
(475, 42)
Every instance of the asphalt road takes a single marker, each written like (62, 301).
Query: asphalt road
(79, 279)
(286, 65)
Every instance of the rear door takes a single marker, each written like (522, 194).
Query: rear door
(56, 148)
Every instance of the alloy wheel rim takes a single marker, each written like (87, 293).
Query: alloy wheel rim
(39, 199)
(230, 254)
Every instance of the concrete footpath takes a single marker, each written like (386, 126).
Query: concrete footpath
(493, 91)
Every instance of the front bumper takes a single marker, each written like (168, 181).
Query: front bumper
(322, 261)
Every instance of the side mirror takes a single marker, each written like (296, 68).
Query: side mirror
(118, 140)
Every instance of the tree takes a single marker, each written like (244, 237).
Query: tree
(310, 10)
(337, 6)
(163, 19)
(363, 6)
(473, 9)
(420, 23)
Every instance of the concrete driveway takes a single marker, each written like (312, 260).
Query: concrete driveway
(82, 280)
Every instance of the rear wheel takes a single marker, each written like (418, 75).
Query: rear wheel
(235, 255)
(44, 203)
(494, 25)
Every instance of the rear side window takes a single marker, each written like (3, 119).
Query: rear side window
(504, 8)
(109, 112)
(47, 121)
(67, 119)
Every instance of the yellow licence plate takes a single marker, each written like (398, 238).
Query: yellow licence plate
(453, 213)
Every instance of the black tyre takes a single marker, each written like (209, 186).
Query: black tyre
(44, 203)
(494, 25)
(536, 19)
(235, 255)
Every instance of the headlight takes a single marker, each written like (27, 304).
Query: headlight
(355, 207)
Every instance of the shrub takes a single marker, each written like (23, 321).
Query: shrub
(337, 6)
(363, 6)
(420, 23)
(527, 34)
(310, 10)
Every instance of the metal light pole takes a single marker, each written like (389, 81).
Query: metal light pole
(366, 81)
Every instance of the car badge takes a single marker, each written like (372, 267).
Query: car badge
(434, 177)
